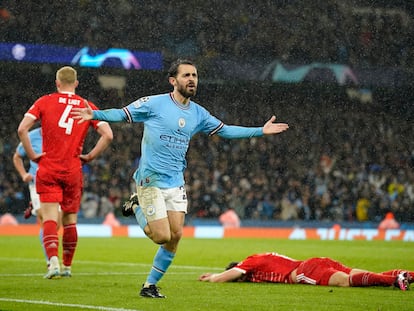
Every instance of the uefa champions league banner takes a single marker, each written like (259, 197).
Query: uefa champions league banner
(83, 57)
(314, 72)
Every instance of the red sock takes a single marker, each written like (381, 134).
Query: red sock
(69, 242)
(395, 272)
(50, 238)
(371, 279)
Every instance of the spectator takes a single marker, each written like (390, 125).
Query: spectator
(389, 222)
(229, 219)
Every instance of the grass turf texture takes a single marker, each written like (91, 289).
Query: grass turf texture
(108, 272)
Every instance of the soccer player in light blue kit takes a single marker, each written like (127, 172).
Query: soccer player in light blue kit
(29, 176)
(170, 120)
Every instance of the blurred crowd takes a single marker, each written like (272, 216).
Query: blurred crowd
(340, 160)
(348, 32)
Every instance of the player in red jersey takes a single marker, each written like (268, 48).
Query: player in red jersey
(276, 268)
(59, 178)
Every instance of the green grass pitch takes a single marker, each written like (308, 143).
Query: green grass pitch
(108, 272)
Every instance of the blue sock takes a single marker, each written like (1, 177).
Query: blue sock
(162, 261)
(139, 215)
(41, 243)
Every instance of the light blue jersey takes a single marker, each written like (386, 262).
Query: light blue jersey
(168, 128)
(35, 137)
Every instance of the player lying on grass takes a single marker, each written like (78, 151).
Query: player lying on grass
(276, 268)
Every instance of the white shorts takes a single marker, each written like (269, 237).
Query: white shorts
(155, 202)
(34, 197)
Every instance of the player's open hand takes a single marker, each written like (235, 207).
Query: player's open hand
(205, 277)
(274, 128)
(27, 177)
(82, 114)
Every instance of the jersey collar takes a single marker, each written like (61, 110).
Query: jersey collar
(182, 106)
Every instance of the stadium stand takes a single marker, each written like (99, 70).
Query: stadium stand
(341, 160)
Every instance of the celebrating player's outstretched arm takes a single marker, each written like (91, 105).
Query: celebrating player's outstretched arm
(82, 114)
(274, 128)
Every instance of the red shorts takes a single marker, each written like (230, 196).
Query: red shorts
(317, 271)
(66, 189)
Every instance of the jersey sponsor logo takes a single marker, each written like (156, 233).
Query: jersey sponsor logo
(175, 140)
(181, 122)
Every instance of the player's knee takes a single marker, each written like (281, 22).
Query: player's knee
(161, 238)
(339, 279)
(176, 235)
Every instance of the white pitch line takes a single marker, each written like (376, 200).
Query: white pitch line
(90, 274)
(70, 305)
(112, 264)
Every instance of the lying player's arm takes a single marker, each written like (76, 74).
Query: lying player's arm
(226, 276)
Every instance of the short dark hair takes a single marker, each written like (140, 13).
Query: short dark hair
(173, 71)
(232, 265)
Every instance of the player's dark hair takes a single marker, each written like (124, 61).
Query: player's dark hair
(232, 264)
(173, 71)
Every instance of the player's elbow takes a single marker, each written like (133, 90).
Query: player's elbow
(21, 131)
(16, 158)
(109, 137)
(106, 133)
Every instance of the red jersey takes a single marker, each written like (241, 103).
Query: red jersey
(63, 137)
(268, 267)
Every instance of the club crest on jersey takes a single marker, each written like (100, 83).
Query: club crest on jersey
(181, 122)
(150, 210)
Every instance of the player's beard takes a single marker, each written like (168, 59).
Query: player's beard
(187, 92)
